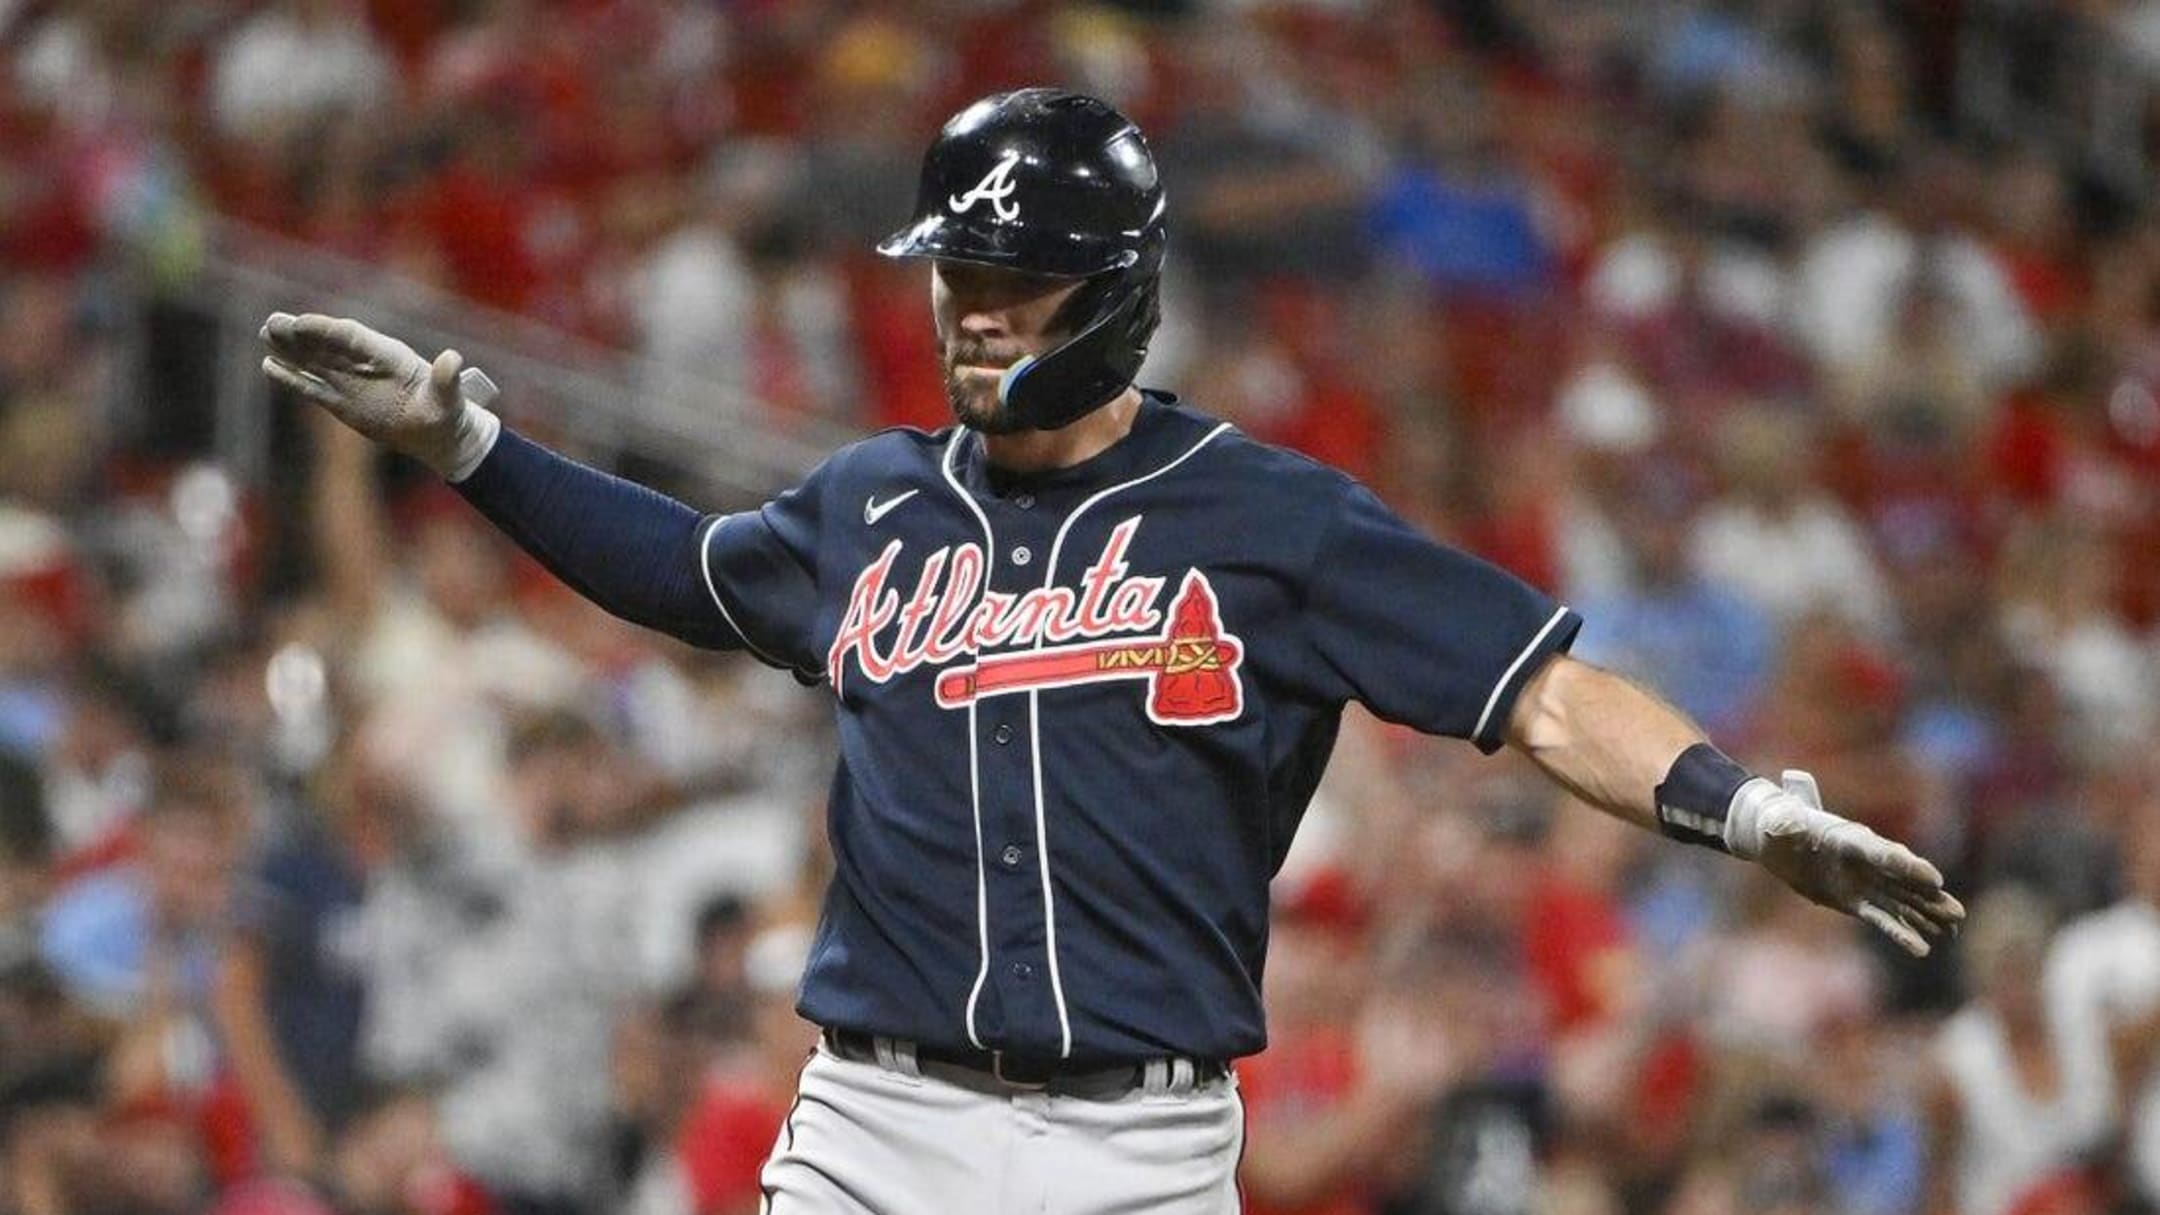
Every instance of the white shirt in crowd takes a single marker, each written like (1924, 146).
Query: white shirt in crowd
(1853, 279)
(1811, 558)
(1639, 275)
(2010, 1139)
(2108, 678)
(277, 70)
(503, 984)
(2104, 970)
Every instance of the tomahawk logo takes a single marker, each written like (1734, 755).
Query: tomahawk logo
(1110, 627)
(996, 188)
(1191, 667)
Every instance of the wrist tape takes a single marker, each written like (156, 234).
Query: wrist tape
(1695, 801)
(477, 427)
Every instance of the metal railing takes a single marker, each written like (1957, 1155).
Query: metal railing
(610, 403)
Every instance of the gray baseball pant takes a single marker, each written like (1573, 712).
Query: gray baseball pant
(897, 1138)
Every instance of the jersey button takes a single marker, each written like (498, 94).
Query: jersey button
(1010, 858)
(1024, 501)
(1022, 555)
(1022, 970)
(1003, 735)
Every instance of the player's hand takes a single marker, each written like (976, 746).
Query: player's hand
(1845, 865)
(382, 388)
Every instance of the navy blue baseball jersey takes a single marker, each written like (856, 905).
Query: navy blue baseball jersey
(1080, 712)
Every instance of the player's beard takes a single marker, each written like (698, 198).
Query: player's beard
(974, 394)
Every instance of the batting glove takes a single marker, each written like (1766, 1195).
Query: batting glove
(1841, 864)
(434, 412)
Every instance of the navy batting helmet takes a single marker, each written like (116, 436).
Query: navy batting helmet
(1051, 182)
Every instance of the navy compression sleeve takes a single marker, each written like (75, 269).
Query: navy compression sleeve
(625, 547)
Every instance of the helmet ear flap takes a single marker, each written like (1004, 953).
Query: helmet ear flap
(1105, 292)
(1085, 306)
(1095, 364)
(1149, 317)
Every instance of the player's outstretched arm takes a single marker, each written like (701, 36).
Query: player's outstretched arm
(1625, 751)
(628, 549)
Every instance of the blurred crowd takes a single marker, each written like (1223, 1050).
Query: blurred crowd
(347, 864)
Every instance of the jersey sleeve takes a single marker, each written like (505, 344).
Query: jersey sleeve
(723, 582)
(1422, 634)
(759, 569)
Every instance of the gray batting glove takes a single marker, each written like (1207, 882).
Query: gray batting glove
(1841, 864)
(434, 412)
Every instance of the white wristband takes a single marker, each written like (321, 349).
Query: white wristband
(477, 427)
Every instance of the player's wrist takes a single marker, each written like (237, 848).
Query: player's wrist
(472, 438)
(1708, 799)
(1748, 815)
(475, 430)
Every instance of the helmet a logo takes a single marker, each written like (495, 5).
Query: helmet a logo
(996, 188)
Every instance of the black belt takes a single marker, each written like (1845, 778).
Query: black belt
(1021, 1071)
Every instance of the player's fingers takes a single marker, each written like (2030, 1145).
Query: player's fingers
(1899, 932)
(1925, 894)
(301, 382)
(1920, 918)
(296, 344)
(1900, 880)
(290, 332)
(287, 340)
(334, 342)
(315, 327)
(1892, 860)
(1939, 908)
(443, 378)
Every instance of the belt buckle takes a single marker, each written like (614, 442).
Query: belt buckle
(997, 1068)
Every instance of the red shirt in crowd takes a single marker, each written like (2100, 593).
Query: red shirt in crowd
(723, 1144)
(1301, 1075)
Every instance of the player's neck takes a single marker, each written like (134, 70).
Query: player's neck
(1090, 436)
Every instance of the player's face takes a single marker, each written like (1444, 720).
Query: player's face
(986, 319)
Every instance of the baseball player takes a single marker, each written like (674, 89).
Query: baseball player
(1088, 649)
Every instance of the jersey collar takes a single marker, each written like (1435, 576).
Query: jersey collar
(1162, 430)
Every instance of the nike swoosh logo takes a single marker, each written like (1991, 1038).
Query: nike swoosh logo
(874, 510)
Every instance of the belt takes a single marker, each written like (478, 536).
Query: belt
(1027, 1071)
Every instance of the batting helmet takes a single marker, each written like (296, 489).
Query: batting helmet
(1053, 183)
